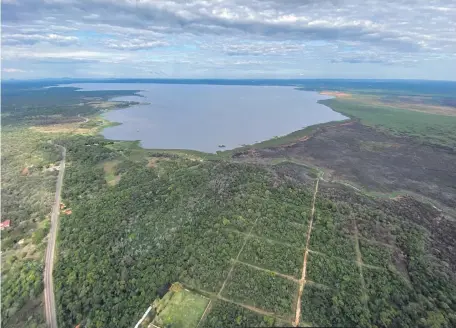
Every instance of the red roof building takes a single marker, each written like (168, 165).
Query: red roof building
(5, 224)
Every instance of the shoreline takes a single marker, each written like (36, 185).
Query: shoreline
(282, 140)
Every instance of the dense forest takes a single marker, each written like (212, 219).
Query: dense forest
(186, 221)
(181, 221)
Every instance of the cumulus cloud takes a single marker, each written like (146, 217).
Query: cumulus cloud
(380, 32)
(63, 56)
(262, 48)
(18, 39)
(373, 21)
(134, 44)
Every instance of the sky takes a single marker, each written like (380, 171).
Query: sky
(382, 39)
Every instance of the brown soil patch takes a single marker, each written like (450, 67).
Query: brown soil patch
(63, 128)
(176, 287)
(152, 162)
(336, 94)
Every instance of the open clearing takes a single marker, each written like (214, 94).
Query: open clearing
(109, 169)
(180, 308)
(336, 94)
(63, 128)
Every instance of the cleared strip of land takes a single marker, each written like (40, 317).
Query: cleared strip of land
(304, 264)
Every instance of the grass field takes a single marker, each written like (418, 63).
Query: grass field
(432, 128)
(180, 308)
(109, 169)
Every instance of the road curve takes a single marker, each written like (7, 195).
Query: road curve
(49, 300)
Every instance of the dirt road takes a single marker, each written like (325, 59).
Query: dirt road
(49, 301)
(306, 253)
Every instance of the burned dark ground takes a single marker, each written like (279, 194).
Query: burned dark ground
(373, 160)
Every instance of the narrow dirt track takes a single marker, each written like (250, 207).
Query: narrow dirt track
(306, 253)
(49, 300)
(286, 276)
(246, 238)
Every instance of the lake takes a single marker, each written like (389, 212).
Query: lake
(202, 117)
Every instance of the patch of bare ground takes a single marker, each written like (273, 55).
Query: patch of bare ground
(58, 120)
(375, 160)
(337, 94)
(151, 162)
(63, 128)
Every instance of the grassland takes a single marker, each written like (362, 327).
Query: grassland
(429, 128)
(179, 308)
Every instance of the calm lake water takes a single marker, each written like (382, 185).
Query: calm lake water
(202, 117)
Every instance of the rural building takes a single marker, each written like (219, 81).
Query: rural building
(5, 224)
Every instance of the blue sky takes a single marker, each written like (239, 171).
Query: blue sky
(229, 38)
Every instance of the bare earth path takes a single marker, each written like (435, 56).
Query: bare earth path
(306, 253)
(246, 238)
(49, 301)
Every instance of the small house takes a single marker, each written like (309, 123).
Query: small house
(5, 224)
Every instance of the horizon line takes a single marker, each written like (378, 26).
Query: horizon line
(218, 79)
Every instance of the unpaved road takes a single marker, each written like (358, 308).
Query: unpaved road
(306, 253)
(49, 301)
